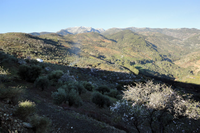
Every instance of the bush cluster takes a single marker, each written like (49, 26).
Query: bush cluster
(10, 59)
(54, 76)
(67, 93)
(88, 86)
(74, 99)
(78, 86)
(113, 93)
(103, 89)
(100, 100)
(60, 96)
(29, 73)
(42, 82)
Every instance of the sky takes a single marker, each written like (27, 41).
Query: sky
(53, 15)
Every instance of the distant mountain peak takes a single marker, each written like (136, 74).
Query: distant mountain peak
(80, 29)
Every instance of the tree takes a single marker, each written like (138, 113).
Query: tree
(157, 108)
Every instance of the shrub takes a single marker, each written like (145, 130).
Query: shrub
(54, 76)
(42, 82)
(13, 94)
(25, 108)
(40, 124)
(64, 95)
(103, 89)
(3, 71)
(88, 86)
(59, 96)
(113, 93)
(78, 86)
(100, 100)
(29, 73)
(10, 59)
(74, 98)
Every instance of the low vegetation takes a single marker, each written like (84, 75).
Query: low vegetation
(42, 82)
(25, 109)
(29, 73)
(100, 100)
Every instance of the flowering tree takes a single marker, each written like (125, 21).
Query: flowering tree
(156, 108)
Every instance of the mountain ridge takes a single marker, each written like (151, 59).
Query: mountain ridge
(72, 30)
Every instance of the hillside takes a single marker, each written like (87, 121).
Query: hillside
(167, 45)
(122, 51)
(23, 45)
(89, 82)
(51, 110)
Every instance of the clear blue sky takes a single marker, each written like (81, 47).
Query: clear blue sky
(53, 15)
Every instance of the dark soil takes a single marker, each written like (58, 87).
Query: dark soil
(67, 119)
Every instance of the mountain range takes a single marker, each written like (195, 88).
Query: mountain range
(162, 52)
(72, 30)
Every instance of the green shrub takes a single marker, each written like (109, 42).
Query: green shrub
(100, 100)
(113, 93)
(78, 86)
(103, 89)
(10, 59)
(74, 98)
(40, 124)
(29, 73)
(54, 76)
(88, 86)
(64, 95)
(60, 96)
(25, 109)
(42, 82)
(13, 94)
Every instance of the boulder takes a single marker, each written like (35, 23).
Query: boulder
(39, 60)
